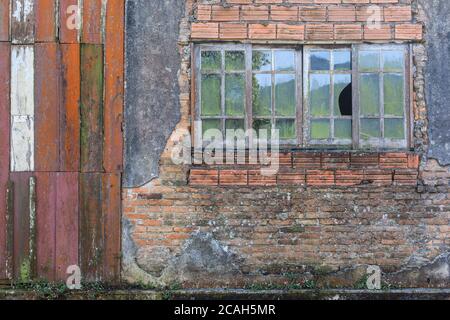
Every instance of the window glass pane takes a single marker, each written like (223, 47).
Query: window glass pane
(343, 99)
(320, 129)
(370, 128)
(394, 128)
(320, 94)
(262, 60)
(284, 60)
(285, 94)
(211, 60)
(343, 129)
(342, 60)
(211, 124)
(370, 94)
(286, 128)
(369, 61)
(320, 60)
(234, 60)
(235, 124)
(210, 96)
(234, 94)
(262, 94)
(263, 124)
(394, 98)
(393, 61)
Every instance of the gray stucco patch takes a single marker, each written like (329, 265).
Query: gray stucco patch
(152, 107)
(437, 77)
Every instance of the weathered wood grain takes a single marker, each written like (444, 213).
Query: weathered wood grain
(92, 22)
(114, 86)
(45, 20)
(91, 108)
(4, 155)
(4, 20)
(22, 21)
(46, 120)
(70, 108)
(70, 21)
(9, 258)
(22, 108)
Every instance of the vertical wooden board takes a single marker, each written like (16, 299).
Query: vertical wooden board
(69, 21)
(114, 86)
(46, 118)
(22, 21)
(46, 191)
(111, 201)
(91, 227)
(92, 22)
(70, 108)
(66, 223)
(4, 155)
(21, 205)
(45, 20)
(22, 108)
(4, 20)
(91, 108)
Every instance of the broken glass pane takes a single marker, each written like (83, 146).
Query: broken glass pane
(394, 128)
(284, 60)
(211, 61)
(234, 60)
(370, 94)
(234, 94)
(262, 60)
(342, 60)
(394, 95)
(320, 94)
(393, 61)
(285, 95)
(369, 61)
(342, 95)
(320, 129)
(262, 94)
(286, 128)
(210, 95)
(320, 60)
(370, 128)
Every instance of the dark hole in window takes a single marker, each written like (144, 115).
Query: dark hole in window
(346, 102)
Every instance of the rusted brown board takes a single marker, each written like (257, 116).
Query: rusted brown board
(91, 108)
(114, 86)
(46, 195)
(4, 154)
(91, 227)
(69, 21)
(111, 202)
(46, 88)
(70, 108)
(92, 22)
(4, 20)
(66, 223)
(22, 21)
(45, 20)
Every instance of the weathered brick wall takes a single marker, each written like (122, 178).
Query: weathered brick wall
(325, 215)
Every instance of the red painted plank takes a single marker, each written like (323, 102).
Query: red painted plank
(46, 107)
(66, 223)
(114, 86)
(70, 108)
(69, 21)
(4, 143)
(4, 20)
(46, 193)
(111, 201)
(45, 20)
(92, 22)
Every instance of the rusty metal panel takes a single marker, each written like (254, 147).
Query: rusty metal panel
(46, 120)
(114, 86)
(4, 20)
(91, 108)
(4, 155)
(92, 21)
(66, 223)
(69, 21)
(70, 108)
(22, 21)
(45, 20)
(22, 108)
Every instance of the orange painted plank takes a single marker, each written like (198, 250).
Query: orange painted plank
(70, 21)
(46, 107)
(114, 86)
(45, 20)
(70, 108)
(4, 155)
(4, 20)
(92, 22)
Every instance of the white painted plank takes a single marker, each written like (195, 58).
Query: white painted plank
(22, 143)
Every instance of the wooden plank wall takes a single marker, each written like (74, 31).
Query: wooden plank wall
(61, 107)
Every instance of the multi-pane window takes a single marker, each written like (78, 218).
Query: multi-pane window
(348, 97)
